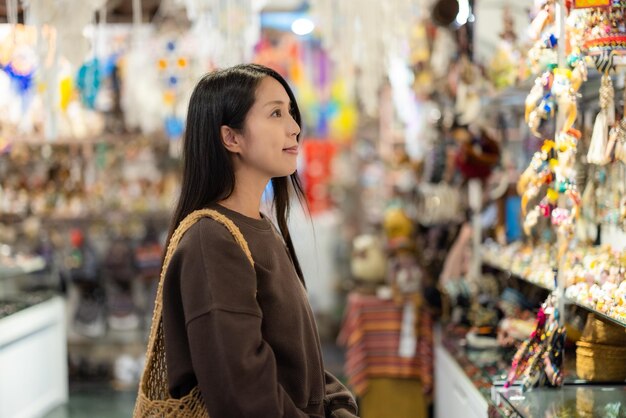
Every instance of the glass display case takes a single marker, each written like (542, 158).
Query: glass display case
(33, 338)
(567, 402)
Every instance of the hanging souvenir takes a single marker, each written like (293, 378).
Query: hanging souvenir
(597, 153)
(605, 35)
(542, 19)
(88, 82)
(538, 361)
(565, 99)
(618, 137)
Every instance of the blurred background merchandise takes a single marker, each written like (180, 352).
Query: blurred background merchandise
(463, 163)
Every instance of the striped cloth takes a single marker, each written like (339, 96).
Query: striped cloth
(371, 334)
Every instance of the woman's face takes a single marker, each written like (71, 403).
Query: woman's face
(270, 145)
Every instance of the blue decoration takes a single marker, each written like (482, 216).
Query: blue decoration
(174, 127)
(88, 81)
(171, 46)
(172, 80)
(513, 218)
(551, 41)
(22, 82)
(108, 66)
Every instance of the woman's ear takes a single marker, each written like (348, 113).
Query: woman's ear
(230, 139)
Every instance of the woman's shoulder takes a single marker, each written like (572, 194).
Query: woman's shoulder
(207, 233)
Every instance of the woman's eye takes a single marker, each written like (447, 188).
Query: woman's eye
(277, 113)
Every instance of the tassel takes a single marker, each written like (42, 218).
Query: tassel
(620, 151)
(620, 137)
(598, 143)
(607, 99)
(606, 117)
(613, 133)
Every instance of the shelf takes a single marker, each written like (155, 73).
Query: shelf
(33, 355)
(596, 312)
(90, 217)
(37, 265)
(524, 279)
(568, 301)
(158, 138)
(112, 337)
(103, 216)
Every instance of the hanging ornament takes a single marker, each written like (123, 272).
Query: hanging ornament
(605, 34)
(599, 138)
(88, 82)
(350, 31)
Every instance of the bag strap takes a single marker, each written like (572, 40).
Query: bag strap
(184, 225)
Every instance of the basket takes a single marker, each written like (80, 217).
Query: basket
(600, 363)
(153, 398)
(600, 331)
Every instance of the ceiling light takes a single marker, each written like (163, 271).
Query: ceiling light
(302, 26)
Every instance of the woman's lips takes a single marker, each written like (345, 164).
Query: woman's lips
(291, 150)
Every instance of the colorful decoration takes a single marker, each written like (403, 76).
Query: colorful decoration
(316, 173)
(581, 4)
(538, 360)
(173, 67)
(88, 81)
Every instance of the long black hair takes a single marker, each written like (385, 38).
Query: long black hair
(224, 97)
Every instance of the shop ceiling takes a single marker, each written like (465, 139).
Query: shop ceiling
(121, 11)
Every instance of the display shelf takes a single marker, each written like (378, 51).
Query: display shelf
(36, 265)
(106, 216)
(15, 304)
(462, 387)
(568, 401)
(158, 138)
(597, 312)
(567, 300)
(112, 337)
(510, 274)
(33, 360)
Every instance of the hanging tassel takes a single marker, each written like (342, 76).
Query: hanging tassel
(620, 151)
(620, 137)
(606, 117)
(613, 133)
(597, 146)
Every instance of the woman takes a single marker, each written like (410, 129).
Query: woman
(246, 336)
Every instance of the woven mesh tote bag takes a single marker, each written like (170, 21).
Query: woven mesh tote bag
(153, 399)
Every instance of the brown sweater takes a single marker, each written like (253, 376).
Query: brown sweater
(252, 356)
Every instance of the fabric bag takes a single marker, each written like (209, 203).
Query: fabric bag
(153, 399)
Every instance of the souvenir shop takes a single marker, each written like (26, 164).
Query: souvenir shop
(464, 169)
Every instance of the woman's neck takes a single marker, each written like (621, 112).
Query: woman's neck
(246, 197)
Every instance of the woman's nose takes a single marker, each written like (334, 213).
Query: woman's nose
(295, 128)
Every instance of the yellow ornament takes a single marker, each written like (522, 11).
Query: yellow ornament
(343, 126)
(169, 97)
(547, 146)
(65, 93)
(552, 195)
(554, 163)
(397, 224)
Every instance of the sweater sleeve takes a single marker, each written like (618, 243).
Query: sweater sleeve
(235, 368)
(338, 401)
